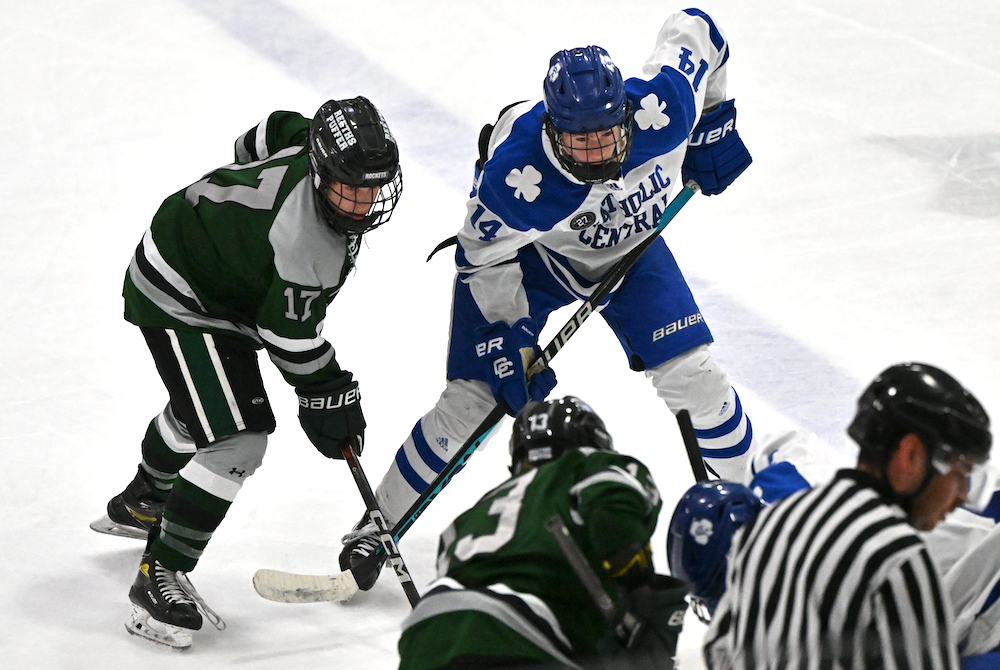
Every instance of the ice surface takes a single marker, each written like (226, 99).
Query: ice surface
(866, 232)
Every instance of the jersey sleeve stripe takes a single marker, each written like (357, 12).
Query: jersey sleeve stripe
(261, 140)
(288, 344)
(252, 145)
(717, 40)
(615, 475)
(299, 357)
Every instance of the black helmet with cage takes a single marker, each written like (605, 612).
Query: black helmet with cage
(543, 431)
(350, 144)
(928, 402)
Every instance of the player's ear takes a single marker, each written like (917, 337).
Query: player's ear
(907, 468)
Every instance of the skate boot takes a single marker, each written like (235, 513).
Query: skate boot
(359, 544)
(132, 512)
(164, 605)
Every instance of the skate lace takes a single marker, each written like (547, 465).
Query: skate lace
(176, 587)
(166, 582)
(364, 531)
(367, 545)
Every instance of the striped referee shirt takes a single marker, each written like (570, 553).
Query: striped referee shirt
(833, 577)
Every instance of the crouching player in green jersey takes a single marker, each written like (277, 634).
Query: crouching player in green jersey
(248, 257)
(507, 596)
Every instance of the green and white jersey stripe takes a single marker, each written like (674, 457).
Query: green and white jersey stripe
(245, 251)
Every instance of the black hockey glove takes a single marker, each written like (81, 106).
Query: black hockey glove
(330, 414)
(659, 607)
(716, 155)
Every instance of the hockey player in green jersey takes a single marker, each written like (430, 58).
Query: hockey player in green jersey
(248, 257)
(507, 596)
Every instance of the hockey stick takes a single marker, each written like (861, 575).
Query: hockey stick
(691, 446)
(270, 583)
(314, 588)
(625, 625)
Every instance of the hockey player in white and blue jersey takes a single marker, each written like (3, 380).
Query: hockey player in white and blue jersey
(564, 188)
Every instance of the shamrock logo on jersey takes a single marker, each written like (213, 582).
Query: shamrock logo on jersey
(525, 182)
(701, 531)
(651, 115)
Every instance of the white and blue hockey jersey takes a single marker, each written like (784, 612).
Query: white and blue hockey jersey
(522, 196)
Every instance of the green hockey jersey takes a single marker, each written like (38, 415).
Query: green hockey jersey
(244, 250)
(505, 589)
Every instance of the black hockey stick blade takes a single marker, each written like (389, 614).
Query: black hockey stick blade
(691, 446)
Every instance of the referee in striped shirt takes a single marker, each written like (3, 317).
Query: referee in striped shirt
(836, 576)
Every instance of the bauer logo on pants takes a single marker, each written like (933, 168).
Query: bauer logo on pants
(679, 324)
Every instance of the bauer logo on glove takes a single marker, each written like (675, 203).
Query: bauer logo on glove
(330, 414)
(333, 401)
(712, 136)
(716, 155)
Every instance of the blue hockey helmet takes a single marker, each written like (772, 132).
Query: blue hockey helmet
(350, 144)
(544, 430)
(701, 533)
(585, 93)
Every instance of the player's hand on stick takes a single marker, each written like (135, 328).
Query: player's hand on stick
(331, 414)
(506, 353)
(716, 155)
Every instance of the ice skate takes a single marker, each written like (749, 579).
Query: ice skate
(359, 544)
(132, 512)
(164, 610)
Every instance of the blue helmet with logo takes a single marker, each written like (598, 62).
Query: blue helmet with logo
(585, 93)
(701, 533)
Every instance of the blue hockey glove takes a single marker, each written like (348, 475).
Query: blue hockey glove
(716, 155)
(506, 353)
(330, 414)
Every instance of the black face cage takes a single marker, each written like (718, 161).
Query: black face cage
(379, 212)
(593, 173)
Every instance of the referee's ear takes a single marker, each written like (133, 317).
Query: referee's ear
(908, 466)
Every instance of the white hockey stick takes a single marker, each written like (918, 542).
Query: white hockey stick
(287, 587)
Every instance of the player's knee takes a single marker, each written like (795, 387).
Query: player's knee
(233, 458)
(695, 382)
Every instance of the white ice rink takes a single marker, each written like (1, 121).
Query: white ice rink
(866, 232)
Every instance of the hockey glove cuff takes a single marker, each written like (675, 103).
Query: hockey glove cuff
(716, 155)
(631, 566)
(330, 414)
(506, 352)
